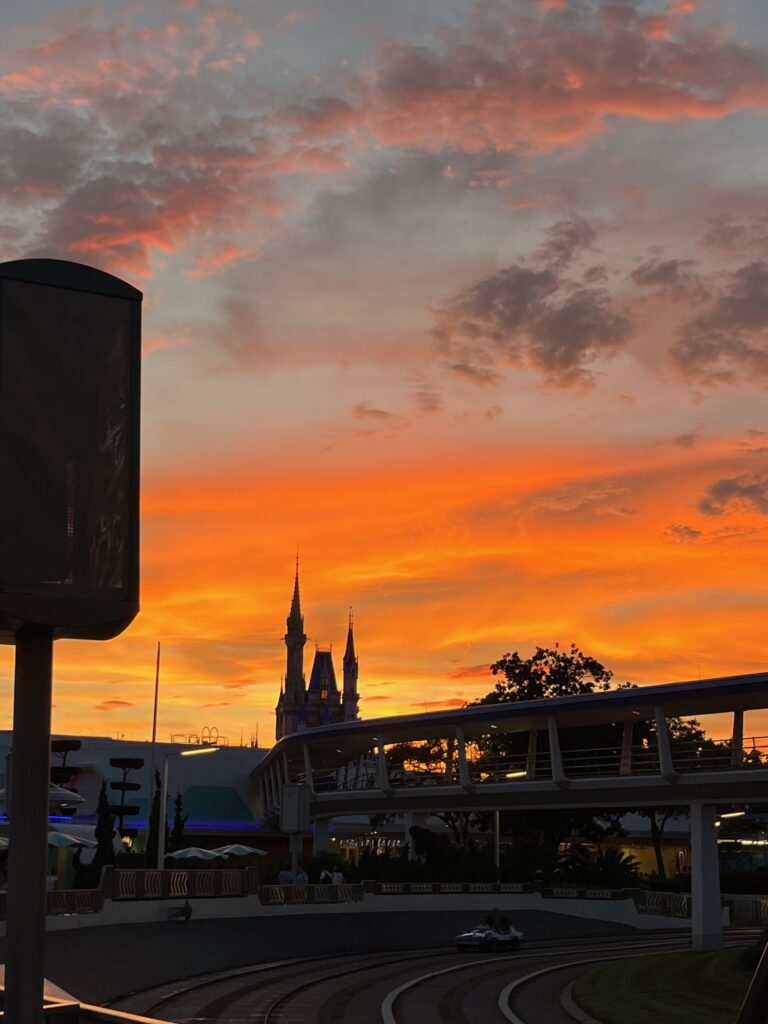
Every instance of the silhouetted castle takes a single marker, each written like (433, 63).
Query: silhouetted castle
(304, 707)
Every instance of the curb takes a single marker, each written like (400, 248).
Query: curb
(572, 1009)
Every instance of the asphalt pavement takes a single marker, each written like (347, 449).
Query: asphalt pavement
(100, 964)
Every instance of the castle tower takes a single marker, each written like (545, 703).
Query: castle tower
(351, 698)
(290, 709)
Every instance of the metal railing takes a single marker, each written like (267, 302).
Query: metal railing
(612, 761)
(272, 895)
(176, 883)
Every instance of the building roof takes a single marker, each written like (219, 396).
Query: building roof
(323, 674)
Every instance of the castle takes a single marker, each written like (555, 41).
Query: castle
(300, 706)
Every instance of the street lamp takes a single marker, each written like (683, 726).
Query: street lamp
(164, 796)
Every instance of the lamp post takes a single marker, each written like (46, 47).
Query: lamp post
(164, 795)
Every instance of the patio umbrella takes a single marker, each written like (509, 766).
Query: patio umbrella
(238, 850)
(195, 853)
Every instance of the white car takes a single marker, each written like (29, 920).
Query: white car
(486, 939)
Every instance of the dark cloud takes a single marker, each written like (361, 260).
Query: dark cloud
(532, 315)
(729, 340)
(676, 533)
(736, 236)
(747, 491)
(683, 440)
(113, 705)
(675, 279)
(565, 240)
(428, 400)
(365, 411)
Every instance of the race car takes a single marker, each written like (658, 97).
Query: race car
(487, 939)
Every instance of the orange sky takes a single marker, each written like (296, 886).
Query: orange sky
(467, 301)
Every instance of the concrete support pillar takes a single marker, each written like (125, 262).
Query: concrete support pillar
(461, 748)
(381, 767)
(320, 839)
(737, 740)
(666, 763)
(558, 775)
(449, 751)
(625, 768)
(308, 779)
(530, 763)
(412, 819)
(497, 841)
(706, 915)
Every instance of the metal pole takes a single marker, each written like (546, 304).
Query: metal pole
(153, 748)
(28, 837)
(163, 813)
(497, 841)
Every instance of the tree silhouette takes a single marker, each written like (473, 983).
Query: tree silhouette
(105, 830)
(179, 821)
(153, 834)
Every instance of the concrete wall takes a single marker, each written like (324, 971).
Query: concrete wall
(143, 911)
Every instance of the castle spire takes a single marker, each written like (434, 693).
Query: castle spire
(295, 617)
(350, 697)
(349, 652)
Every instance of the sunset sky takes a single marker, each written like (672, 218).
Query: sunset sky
(467, 301)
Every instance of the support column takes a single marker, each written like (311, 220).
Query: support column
(286, 769)
(320, 840)
(706, 915)
(497, 842)
(308, 779)
(412, 819)
(558, 775)
(625, 768)
(737, 740)
(381, 767)
(530, 763)
(461, 747)
(665, 750)
(28, 816)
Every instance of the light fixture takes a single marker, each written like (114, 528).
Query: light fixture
(200, 750)
(494, 726)
(718, 824)
(734, 814)
(515, 775)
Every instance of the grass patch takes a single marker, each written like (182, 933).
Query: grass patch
(672, 988)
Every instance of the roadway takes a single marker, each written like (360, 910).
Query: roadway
(437, 986)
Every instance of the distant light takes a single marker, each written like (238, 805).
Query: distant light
(494, 726)
(717, 824)
(515, 775)
(202, 750)
(337, 750)
(733, 814)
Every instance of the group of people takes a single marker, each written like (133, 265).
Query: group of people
(333, 876)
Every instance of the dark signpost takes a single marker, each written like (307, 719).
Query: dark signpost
(70, 352)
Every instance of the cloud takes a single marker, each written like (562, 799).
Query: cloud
(672, 279)
(428, 400)
(531, 315)
(735, 236)
(748, 492)
(683, 440)
(679, 534)
(472, 672)
(565, 239)
(514, 76)
(365, 411)
(729, 340)
(449, 702)
(113, 705)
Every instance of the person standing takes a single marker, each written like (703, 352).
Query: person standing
(337, 878)
(302, 878)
